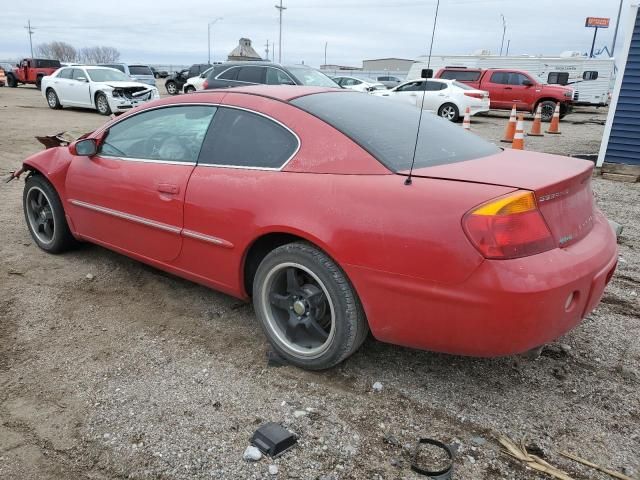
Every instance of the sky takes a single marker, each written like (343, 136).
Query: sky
(175, 32)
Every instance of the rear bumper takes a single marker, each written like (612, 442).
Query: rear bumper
(505, 307)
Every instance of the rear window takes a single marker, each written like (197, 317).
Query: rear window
(387, 130)
(461, 75)
(47, 64)
(117, 67)
(140, 70)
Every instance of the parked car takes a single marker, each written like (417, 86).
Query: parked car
(235, 74)
(389, 81)
(514, 87)
(448, 98)
(359, 84)
(176, 81)
(159, 73)
(137, 73)
(197, 82)
(308, 201)
(103, 89)
(31, 71)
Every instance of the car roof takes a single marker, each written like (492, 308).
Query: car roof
(283, 93)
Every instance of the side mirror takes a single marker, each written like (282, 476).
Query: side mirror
(81, 79)
(86, 147)
(527, 83)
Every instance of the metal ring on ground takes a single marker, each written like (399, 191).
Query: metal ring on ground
(442, 474)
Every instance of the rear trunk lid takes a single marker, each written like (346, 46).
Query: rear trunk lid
(562, 186)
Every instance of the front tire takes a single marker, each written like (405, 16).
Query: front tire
(172, 88)
(102, 104)
(307, 307)
(189, 89)
(45, 217)
(450, 112)
(52, 99)
(547, 108)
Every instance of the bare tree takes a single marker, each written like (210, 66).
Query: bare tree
(99, 54)
(61, 51)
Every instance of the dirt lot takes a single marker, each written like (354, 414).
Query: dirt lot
(132, 373)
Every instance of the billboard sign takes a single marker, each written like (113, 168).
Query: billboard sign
(597, 22)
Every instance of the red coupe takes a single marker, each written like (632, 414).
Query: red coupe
(297, 197)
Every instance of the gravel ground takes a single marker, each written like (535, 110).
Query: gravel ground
(133, 373)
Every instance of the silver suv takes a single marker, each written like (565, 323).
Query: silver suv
(139, 73)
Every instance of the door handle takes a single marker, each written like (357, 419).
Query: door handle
(168, 188)
(508, 88)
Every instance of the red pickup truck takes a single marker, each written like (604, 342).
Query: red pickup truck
(509, 87)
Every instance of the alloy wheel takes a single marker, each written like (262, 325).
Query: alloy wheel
(103, 106)
(40, 215)
(298, 309)
(448, 112)
(51, 98)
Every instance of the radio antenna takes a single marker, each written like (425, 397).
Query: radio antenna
(424, 90)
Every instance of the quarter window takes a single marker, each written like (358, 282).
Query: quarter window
(592, 75)
(243, 139)
(172, 134)
(558, 78)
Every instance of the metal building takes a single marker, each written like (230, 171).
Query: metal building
(621, 140)
(387, 64)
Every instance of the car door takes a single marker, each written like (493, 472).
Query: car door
(517, 92)
(435, 95)
(500, 90)
(61, 84)
(130, 196)
(408, 92)
(79, 88)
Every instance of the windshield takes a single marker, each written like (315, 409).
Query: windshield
(387, 130)
(107, 75)
(140, 70)
(311, 77)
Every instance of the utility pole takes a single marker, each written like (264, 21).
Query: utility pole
(325, 53)
(266, 50)
(508, 45)
(504, 30)
(30, 30)
(280, 9)
(615, 32)
(209, 25)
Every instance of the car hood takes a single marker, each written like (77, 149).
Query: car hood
(123, 84)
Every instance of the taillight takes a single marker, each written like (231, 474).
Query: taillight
(508, 227)
(205, 85)
(474, 94)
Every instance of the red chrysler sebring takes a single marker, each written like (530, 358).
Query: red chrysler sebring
(297, 198)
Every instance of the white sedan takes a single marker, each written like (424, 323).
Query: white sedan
(106, 90)
(359, 84)
(448, 98)
(197, 82)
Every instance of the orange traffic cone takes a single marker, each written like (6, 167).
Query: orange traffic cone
(555, 121)
(510, 131)
(536, 129)
(466, 123)
(518, 138)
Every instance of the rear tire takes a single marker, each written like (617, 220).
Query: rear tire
(38, 82)
(172, 88)
(307, 307)
(189, 89)
(52, 99)
(102, 104)
(11, 81)
(449, 111)
(45, 217)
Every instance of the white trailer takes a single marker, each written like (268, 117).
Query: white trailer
(592, 78)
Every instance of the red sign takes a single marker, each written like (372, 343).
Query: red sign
(598, 22)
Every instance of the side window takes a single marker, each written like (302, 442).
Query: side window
(518, 79)
(275, 76)
(65, 73)
(243, 139)
(383, 79)
(558, 78)
(500, 77)
(251, 74)
(411, 87)
(171, 134)
(79, 75)
(435, 86)
(591, 75)
(231, 74)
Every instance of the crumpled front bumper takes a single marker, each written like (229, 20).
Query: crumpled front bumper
(120, 103)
